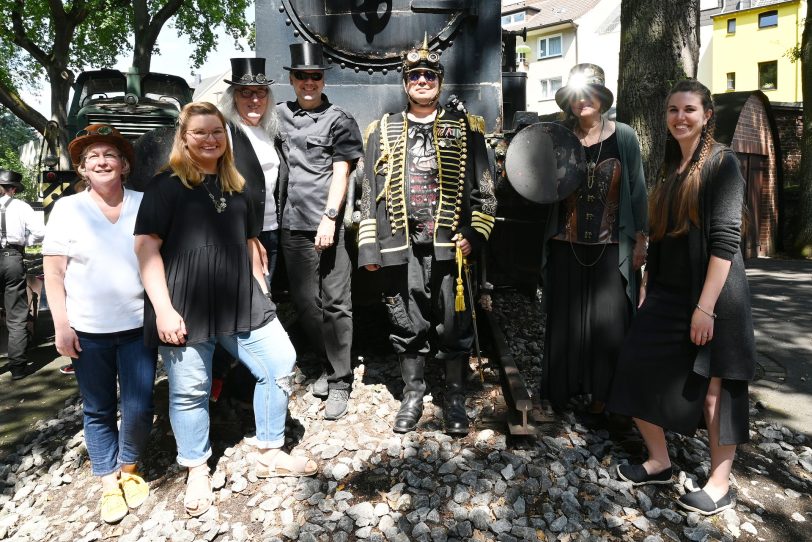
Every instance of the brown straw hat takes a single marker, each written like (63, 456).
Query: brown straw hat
(585, 77)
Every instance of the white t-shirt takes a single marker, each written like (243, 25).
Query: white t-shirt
(22, 224)
(102, 281)
(269, 160)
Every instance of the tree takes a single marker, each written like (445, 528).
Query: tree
(14, 133)
(803, 235)
(659, 45)
(54, 38)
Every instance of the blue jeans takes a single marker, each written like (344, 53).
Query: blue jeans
(268, 354)
(105, 357)
(270, 240)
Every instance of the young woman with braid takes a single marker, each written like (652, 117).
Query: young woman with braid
(690, 351)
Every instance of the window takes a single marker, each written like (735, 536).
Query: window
(521, 58)
(731, 80)
(549, 87)
(708, 4)
(513, 18)
(768, 19)
(731, 26)
(550, 47)
(768, 75)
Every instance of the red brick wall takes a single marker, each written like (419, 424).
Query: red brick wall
(790, 128)
(752, 136)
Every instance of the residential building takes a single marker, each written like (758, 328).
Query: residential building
(746, 46)
(561, 34)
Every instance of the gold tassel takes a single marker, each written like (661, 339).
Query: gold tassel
(459, 300)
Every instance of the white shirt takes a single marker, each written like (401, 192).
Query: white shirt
(269, 160)
(21, 222)
(103, 286)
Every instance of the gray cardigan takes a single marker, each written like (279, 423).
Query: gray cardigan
(732, 352)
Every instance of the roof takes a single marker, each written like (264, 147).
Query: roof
(551, 12)
(735, 7)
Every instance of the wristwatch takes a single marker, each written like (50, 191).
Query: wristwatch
(331, 213)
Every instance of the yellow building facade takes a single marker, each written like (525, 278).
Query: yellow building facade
(751, 50)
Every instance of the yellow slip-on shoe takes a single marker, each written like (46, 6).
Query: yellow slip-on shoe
(135, 489)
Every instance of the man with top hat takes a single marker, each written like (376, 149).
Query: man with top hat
(260, 153)
(324, 142)
(427, 203)
(18, 224)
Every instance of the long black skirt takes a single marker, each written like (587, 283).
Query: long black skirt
(655, 380)
(588, 314)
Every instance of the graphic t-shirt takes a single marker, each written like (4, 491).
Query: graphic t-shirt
(422, 187)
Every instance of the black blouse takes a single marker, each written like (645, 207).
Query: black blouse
(206, 258)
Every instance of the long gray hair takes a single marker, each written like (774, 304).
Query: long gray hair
(269, 121)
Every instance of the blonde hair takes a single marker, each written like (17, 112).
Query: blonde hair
(186, 168)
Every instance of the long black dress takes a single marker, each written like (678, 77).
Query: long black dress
(588, 311)
(662, 377)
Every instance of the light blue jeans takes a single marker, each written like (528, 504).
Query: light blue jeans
(268, 354)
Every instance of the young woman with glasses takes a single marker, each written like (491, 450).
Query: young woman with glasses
(203, 277)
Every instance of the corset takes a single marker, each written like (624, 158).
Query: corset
(589, 215)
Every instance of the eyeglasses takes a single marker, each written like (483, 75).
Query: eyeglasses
(304, 76)
(415, 75)
(260, 93)
(107, 157)
(202, 135)
(101, 130)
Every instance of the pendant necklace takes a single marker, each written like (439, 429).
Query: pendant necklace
(220, 203)
(593, 163)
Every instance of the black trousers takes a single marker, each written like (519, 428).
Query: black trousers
(419, 299)
(320, 288)
(15, 297)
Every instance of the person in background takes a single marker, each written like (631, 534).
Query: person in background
(325, 143)
(97, 304)
(196, 245)
(595, 243)
(427, 202)
(690, 352)
(17, 225)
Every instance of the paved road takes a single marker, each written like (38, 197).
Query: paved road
(782, 314)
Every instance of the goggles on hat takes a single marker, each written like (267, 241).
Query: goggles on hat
(259, 78)
(101, 130)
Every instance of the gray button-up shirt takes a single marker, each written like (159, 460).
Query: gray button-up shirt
(316, 138)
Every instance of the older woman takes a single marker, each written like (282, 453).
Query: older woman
(594, 244)
(195, 239)
(260, 154)
(97, 303)
(690, 351)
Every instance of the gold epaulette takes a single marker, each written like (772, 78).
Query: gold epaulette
(369, 129)
(476, 123)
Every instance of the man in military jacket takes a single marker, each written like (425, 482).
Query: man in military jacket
(426, 192)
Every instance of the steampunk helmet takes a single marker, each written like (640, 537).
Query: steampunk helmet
(422, 59)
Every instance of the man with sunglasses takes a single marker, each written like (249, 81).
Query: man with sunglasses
(427, 200)
(17, 224)
(325, 143)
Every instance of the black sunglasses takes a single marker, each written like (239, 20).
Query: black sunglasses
(101, 130)
(302, 76)
(415, 75)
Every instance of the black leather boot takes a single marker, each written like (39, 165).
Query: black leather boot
(411, 407)
(454, 416)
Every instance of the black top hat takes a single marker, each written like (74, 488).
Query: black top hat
(306, 56)
(248, 71)
(581, 77)
(11, 178)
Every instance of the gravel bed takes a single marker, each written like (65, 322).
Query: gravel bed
(375, 485)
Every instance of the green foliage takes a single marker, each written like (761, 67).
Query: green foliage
(10, 159)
